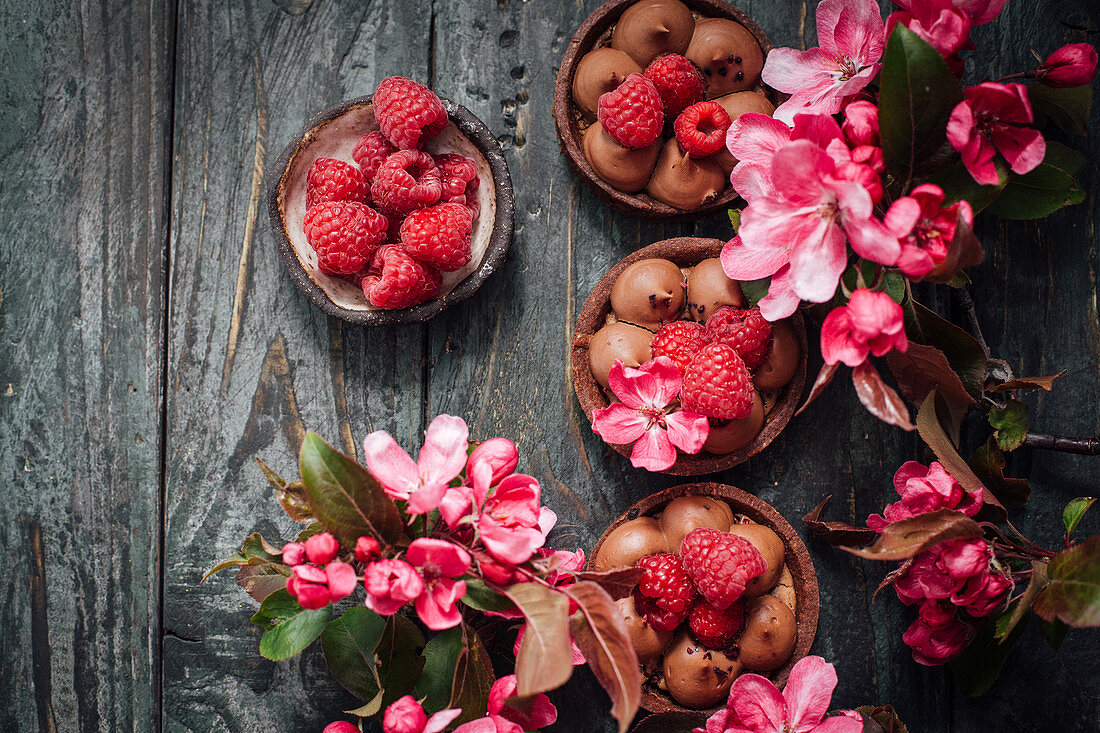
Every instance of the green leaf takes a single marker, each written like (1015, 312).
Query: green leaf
(1073, 595)
(481, 597)
(881, 720)
(755, 290)
(348, 643)
(457, 674)
(909, 537)
(916, 96)
(440, 659)
(988, 463)
(473, 678)
(962, 350)
(735, 219)
(292, 496)
(1055, 633)
(255, 550)
(1071, 515)
(1044, 190)
(345, 497)
(959, 185)
(399, 658)
(545, 658)
(288, 628)
(977, 667)
(893, 284)
(1009, 424)
(1069, 107)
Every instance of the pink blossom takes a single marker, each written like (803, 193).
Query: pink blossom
(294, 553)
(422, 483)
(989, 121)
(925, 489)
(315, 587)
(861, 124)
(390, 584)
(983, 593)
(871, 323)
(499, 455)
(943, 570)
(321, 548)
(978, 11)
(340, 726)
(938, 634)
(541, 712)
(755, 705)
(852, 38)
(937, 22)
(1073, 65)
(489, 724)
(564, 564)
(925, 227)
(406, 716)
(642, 417)
(367, 549)
(512, 523)
(439, 563)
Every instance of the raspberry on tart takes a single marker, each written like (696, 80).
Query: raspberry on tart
(744, 330)
(701, 129)
(665, 587)
(370, 152)
(679, 341)
(631, 114)
(678, 81)
(717, 384)
(713, 627)
(720, 564)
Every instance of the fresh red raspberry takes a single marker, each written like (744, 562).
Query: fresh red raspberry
(439, 235)
(678, 81)
(406, 181)
(631, 114)
(666, 584)
(345, 235)
(679, 341)
(370, 152)
(460, 181)
(658, 618)
(398, 281)
(720, 564)
(714, 628)
(744, 330)
(717, 384)
(408, 113)
(701, 129)
(330, 179)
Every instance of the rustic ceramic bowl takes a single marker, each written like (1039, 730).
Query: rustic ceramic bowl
(333, 133)
(595, 32)
(804, 579)
(684, 251)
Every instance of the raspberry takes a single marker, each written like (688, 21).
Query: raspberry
(408, 113)
(330, 179)
(460, 181)
(678, 82)
(406, 181)
(658, 618)
(398, 281)
(717, 384)
(714, 628)
(345, 235)
(631, 114)
(701, 129)
(439, 235)
(668, 588)
(370, 152)
(679, 341)
(720, 564)
(742, 329)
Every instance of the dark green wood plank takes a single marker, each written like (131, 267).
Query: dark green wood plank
(84, 170)
(251, 366)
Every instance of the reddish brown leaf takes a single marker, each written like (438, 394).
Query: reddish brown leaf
(600, 632)
(964, 251)
(988, 463)
(260, 581)
(879, 398)
(1073, 593)
(618, 583)
(909, 537)
(828, 371)
(545, 658)
(920, 368)
(892, 577)
(1046, 383)
(837, 533)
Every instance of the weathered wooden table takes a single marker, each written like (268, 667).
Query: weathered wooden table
(151, 345)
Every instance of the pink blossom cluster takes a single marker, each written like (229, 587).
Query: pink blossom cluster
(317, 578)
(953, 582)
(406, 715)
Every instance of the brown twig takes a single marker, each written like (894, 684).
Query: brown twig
(972, 318)
(1080, 446)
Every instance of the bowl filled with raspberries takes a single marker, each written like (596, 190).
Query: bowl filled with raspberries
(727, 588)
(645, 94)
(676, 369)
(391, 207)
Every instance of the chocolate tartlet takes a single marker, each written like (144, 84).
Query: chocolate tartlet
(333, 132)
(785, 364)
(653, 27)
(797, 589)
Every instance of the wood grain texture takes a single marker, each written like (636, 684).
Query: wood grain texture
(84, 170)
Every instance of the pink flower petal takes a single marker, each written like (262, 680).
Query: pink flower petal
(808, 692)
(752, 180)
(391, 465)
(781, 301)
(818, 129)
(341, 578)
(436, 606)
(439, 722)
(654, 384)
(819, 260)
(447, 558)
(790, 70)
(840, 724)
(872, 240)
(687, 430)
(499, 454)
(443, 455)
(759, 706)
(653, 451)
(1022, 147)
(753, 138)
(744, 263)
(852, 28)
(837, 344)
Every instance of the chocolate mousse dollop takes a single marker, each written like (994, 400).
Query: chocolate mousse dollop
(771, 549)
(781, 361)
(598, 71)
(647, 641)
(733, 435)
(686, 513)
(618, 340)
(683, 182)
(737, 104)
(649, 293)
(630, 542)
(626, 169)
(770, 634)
(728, 54)
(650, 28)
(710, 288)
(698, 677)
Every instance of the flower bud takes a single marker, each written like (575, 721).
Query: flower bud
(311, 595)
(861, 123)
(367, 549)
(322, 548)
(340, 726)
(404, 716)
(1072, 65)
(341, 580)
(294, 553)
(500, 454)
